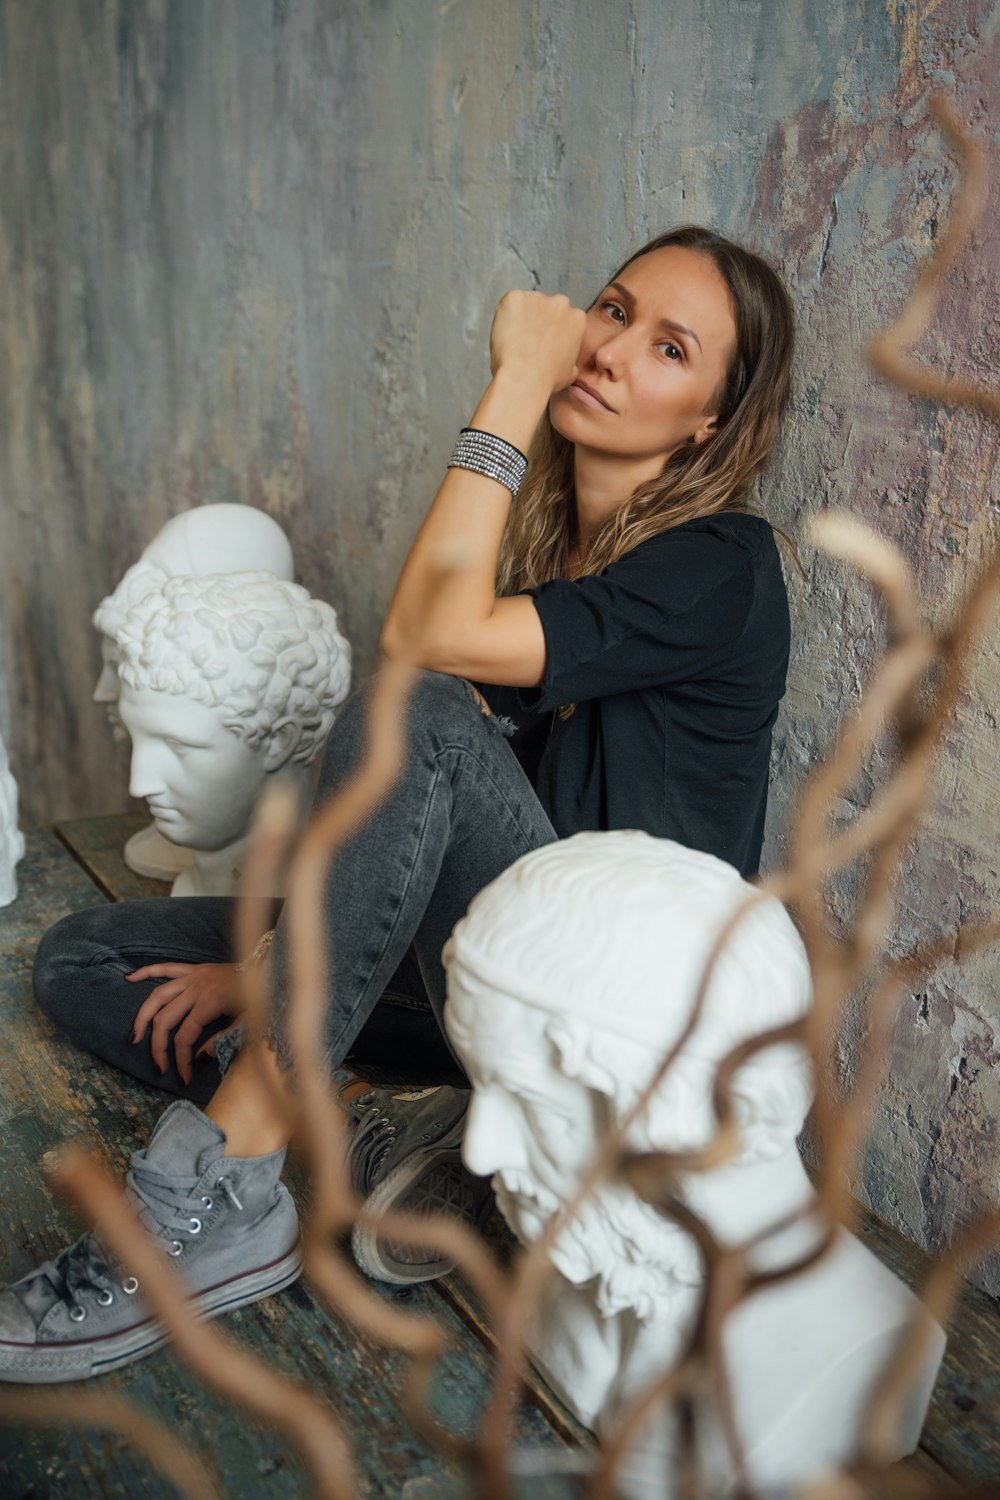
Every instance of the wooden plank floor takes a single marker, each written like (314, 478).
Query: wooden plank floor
(49, 1091)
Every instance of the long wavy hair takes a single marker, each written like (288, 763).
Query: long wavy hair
(718, 474)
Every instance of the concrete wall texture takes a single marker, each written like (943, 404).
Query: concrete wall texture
(249, 251)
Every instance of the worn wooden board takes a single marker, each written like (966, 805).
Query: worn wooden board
(50, 1092)
(962, 1431)
(98, 843)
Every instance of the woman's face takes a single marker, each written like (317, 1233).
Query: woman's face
(655, 351)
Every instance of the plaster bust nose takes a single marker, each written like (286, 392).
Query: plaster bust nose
(107, 687)
(492, 1140)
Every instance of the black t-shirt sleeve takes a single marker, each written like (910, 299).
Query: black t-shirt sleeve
(654, 617)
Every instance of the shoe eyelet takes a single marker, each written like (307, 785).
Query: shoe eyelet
(106, 1298)
(207, 1202)
(195, 1227)
(225, 1185)
(130, 1286)
(176, 1248)
(77, 1313)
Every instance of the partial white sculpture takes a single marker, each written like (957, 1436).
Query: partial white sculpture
(209, 539)
(569, 978)
(225, 680)
(11, 838)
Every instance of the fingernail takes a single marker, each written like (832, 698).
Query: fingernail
(132, 1037)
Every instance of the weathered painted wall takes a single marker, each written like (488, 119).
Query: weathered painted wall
(249, 251)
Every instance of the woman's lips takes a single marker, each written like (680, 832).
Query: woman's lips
(589, 396)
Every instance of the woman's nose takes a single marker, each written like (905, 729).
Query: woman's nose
(610, 356)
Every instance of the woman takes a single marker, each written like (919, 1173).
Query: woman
(627, 629)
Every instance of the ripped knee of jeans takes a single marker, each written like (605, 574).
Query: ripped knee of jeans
(477, 695)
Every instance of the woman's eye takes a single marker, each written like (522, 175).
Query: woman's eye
(614, 311)
(672, 351)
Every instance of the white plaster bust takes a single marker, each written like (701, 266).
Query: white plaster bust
(568, 980)
(226, 679)
(11, 838)
(209, 539)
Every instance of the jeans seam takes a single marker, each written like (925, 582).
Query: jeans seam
(402, 900)
(172, 955)
(501, 794)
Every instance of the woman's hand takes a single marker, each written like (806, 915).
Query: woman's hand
(539, 336)
(193, 997)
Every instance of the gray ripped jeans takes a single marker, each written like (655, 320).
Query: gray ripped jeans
(462, 811)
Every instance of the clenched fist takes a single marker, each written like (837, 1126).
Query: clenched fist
(537, 336)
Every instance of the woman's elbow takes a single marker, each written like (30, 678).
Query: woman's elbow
(389, 640)
(410, 647)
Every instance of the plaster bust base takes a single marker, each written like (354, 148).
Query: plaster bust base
(803, 1359)
(149, 853)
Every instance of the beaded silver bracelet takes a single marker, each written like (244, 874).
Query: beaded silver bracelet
(484, 453)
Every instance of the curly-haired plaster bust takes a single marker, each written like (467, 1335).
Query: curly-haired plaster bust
(225, 680)
(208, 539)
(11, 839)
(569, 978)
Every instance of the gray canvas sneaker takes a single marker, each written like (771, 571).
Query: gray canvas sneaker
(228, 1223)
(406, 1154)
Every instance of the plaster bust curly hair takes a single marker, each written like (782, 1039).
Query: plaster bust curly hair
(259, 648)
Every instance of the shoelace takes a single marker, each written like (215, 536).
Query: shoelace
(86, 1265)
(374, 1138)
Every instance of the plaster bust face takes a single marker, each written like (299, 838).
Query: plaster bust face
(199, 779)
(529, 1127)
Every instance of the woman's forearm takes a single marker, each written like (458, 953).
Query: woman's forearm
(446, 588)
(447, 583)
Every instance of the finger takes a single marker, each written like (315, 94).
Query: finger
(153, 1003)
(159, 971)
(163, 1025)
(187, 1034)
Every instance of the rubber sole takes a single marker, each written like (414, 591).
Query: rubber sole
(30, 1364)
(426, 1182)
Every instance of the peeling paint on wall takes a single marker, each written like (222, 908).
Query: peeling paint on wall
(249, 251)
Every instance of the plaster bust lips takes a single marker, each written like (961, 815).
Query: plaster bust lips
(589, 396)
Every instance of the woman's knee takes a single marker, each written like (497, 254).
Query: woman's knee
(436, 704)
(66, 948)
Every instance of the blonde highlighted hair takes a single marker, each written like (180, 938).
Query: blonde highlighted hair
(717, 475)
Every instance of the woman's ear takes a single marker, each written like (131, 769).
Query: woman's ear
(706, 429)
(282, 745)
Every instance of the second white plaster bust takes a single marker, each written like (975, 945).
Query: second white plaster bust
(226, 679)
(569, 979)
(218, 538)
